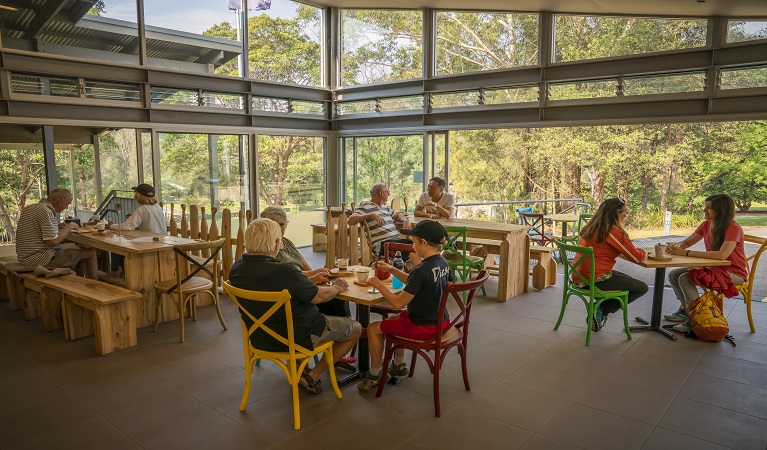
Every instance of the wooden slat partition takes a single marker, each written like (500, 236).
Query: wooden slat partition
(354, 243)
(172, 225)
(330, 251)
(366, 246)
(184, 222)
(203, 230)
(240, 247)
(226, 232)
(343, 234)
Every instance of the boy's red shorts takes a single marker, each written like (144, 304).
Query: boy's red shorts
(403, 326)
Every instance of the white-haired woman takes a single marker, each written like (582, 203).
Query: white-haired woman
(259, 270)
(290, 254)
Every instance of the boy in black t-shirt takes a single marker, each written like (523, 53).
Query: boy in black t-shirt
(421, 295)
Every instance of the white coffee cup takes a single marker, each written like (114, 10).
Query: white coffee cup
(342, 263)
(362, 275)
(100, 226)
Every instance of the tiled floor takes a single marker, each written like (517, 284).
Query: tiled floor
(532, 388)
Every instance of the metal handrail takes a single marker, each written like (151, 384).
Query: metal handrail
(515, 202)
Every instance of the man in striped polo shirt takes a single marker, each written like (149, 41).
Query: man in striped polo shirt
(39, 237)
(380, 218)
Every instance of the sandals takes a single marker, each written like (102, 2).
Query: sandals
(309, 384)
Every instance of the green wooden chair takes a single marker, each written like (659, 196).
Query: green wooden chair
(569, 240)
(582, 219)
(584, 288)
(458, 258)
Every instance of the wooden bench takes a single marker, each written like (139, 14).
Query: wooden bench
(544, 272)
(319, 238)
(85, 307)
(12, 288)
(4, 261)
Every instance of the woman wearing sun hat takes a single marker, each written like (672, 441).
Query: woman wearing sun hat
(148, 216)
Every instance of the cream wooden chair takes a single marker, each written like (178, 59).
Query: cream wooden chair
(747, 289)
(186, 285)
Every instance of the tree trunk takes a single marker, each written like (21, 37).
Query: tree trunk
(666, 181)
(10, 232)
(83, 186)
(599, 187)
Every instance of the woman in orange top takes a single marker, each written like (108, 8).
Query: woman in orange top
(605, 234)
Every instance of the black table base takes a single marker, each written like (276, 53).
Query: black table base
(363, 355)
(657, 307)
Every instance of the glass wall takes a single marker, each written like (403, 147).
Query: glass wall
(193, 36)
(587, 37)
(394, 160)
(471, 42)
(379, 46)
(22, 172)
(746, 30)
(288, 48)
(119, 160)
(291, 176)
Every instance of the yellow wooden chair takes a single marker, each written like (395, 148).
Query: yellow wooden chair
(293, 361)
(186, 285)
(747, 289)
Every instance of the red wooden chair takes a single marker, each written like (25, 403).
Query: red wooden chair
(454, 335)
(538, 234)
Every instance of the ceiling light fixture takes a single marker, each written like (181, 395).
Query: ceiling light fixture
(9, 8)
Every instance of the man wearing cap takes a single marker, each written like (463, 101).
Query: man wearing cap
(39, 237)
(421, 295)
(148, 216)
(380, 218)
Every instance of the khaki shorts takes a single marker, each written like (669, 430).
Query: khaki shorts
(336, 329)
(69, 255)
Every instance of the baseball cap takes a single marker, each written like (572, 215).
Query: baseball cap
(429, 230)
(144, 189)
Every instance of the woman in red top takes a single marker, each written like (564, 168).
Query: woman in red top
(605, 234)
(723, 238)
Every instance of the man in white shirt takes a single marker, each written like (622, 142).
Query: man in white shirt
(435, 203)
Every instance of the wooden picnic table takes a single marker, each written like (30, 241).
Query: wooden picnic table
(146, 261)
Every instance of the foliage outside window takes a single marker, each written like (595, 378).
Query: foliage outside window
(380, 45)
(118, 157)
(472, 42)
(394, 160)
(401, 103)
(665, 84)
(291, 176)
(356, 107)
(583, 89)
(579, 38)
(290, 170)
(746, 30)
(744, 77)
(22, 171)
(454, 99)
(523, 94)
